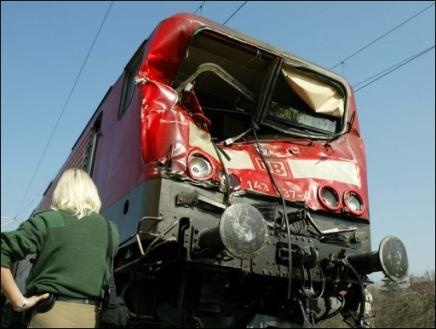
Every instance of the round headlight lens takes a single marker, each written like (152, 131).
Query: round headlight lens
(243, 230)
(393, 258)
(354, 202)
(199, 167)
(329, 197)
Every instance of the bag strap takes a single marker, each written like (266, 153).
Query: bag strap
(110, 245)
(111, 286)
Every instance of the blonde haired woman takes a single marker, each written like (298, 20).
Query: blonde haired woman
(71, 243)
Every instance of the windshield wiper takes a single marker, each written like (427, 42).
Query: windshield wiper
(221, 73)
(254, 125)
(230, 141)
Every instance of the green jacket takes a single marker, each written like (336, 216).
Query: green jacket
(71, 253)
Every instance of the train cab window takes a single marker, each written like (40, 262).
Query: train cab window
(129, 82)
(306, 102)
(91, 147)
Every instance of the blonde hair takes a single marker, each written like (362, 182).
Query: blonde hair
(76, 192)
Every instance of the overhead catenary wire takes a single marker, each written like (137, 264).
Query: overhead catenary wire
(200, 7)
(64, 107)
(8, 220)
(234, 13)
(381, 36)
(390, 69)
(393, 66)
(33, 199)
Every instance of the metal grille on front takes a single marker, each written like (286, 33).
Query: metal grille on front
(269, 210)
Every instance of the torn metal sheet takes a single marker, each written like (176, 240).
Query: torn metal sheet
(320, 96)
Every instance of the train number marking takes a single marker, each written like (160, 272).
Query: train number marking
(258, 186)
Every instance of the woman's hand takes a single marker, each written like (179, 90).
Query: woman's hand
(14, 295)
(29, 302)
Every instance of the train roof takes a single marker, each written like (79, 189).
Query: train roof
(167, 45)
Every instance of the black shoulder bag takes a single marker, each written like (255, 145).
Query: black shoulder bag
(114, 312)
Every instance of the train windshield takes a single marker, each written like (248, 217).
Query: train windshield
(227, 77)
(305, 102)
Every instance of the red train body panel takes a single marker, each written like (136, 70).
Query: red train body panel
(155, 121)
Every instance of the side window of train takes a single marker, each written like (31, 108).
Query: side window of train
(91, 147)
(129, 82)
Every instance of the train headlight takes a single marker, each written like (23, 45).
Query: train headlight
(391, 258)
(243, 230)
(199, 167)
(354, 202)
(329, 197)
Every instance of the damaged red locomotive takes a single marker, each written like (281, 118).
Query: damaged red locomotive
(236, 175)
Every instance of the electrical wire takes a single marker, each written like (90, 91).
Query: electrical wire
(200, 7)
(9, 220)
(307, 323)
(391, 69)
(64, 107)
(218, 151)
(381, 37)
(327, 314)
(234, 13)
(33, 199)
(361, 315)
(405, 61)
(285, 217)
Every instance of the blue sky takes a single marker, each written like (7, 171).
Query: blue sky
(43, 45)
